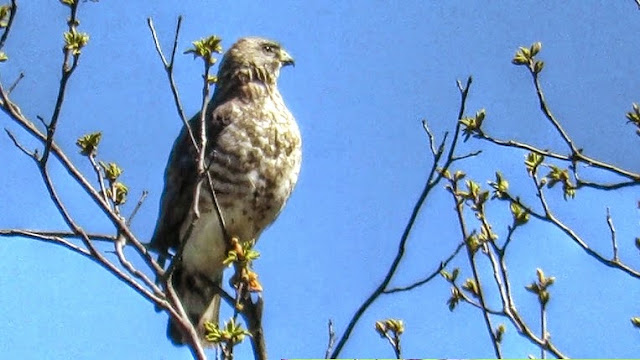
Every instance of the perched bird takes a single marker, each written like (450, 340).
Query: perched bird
(253, 155)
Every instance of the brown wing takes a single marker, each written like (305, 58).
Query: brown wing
(180, 178)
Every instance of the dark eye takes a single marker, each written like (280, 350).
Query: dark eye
(269, 48)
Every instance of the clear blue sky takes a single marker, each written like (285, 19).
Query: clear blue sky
(366, 73)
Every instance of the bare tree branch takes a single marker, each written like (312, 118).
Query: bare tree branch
(634, 178)
(56, 234)
(168, 67)
(31, 154)
(430, 277)
(551, 218)
(576, 154)
(15, 113)
(182, 319)
(434, 177)
(67, 71)
(95, 254)
(466, 156)
(474, 267)
(46, 238)
(613, 186)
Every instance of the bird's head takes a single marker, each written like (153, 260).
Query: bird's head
(254, 59)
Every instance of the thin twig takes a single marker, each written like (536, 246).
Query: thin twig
(510, 231)
(42, 121)
(634, 177)
(56, 234)
(168, 67)
(464, 297)
(395, 343)
(137, 207)
(98, 170)
(332, 339)
(576, 154)
(433, 274)
(119, 245)
(516, 144)
(551, 218)
(543, 330)
(613, 186)
(495, 267)
(432, 139)
(544, 107)
(67, 71)
(183, 320)
(471, 154)
(47, 238)
(464, 233)
(156, 42)
(216, 206)
(614, 243)
(203, 142)
(31, 154)
(16, 82)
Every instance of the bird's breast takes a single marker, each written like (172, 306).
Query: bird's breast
(255, 166)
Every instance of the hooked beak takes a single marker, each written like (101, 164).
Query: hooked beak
(286, 59)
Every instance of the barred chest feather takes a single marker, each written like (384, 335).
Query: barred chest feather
(254, 165)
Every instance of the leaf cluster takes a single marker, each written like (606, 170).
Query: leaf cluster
(205, 48)
(540, 287)
(231, 334)
(472, 126)
(526, 56)
(634, 117)
(394, 326)
(117, 192)
(74, 41)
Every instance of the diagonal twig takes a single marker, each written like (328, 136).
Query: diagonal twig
(16, 82)
(137, 207)
(67, 71)
(433, 178)
(332, 339)
(168, 67)
(614, 243)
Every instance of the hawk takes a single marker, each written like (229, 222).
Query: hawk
(253, 155)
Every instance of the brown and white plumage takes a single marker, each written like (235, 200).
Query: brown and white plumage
(253, 155)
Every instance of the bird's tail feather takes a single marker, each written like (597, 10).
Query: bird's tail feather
(201, 301)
